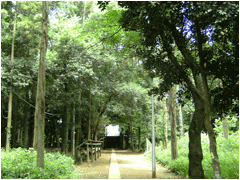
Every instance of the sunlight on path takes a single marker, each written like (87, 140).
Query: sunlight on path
(114, 169)
(133, 165)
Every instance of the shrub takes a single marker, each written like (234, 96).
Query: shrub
(21, 163)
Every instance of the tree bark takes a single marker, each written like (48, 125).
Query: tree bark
(225, 126)
(57, 134)
(26, 123)
(65, 130)
(180, 117)
(139, 138)
(164, 123)
(131, 129)
(89, 120)
(207, 100)
(14, 133)
(9, 120)
(40, 98)
(173, 113)
(195, 155)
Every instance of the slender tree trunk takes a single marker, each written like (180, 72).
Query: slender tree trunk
(96, 135)
(9, 120)
(225, 126)
(180, 117)
(14, 133)
(131, 130)
(164, 123)
(213, 142)
(32, 118)
(26, 125)
(173, 113)
(35, 132)
(89, 120)
(65, 130)
(139, 138)
(57, 134)
(207, 100)
(26, 131)
(40, 99)
(74, 127)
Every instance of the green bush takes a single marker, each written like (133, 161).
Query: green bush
(228, 153)
(21, 163)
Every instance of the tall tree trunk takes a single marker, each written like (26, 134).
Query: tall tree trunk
(195, 170)
(89, 120)
(164, 123)
(26, 123)
(14, 133)
(35, 132)
(173, 113)
(32, 118)
(139, 138)
(79, 122)
(96, 135)
(57, 134)
(207, 100)
(213, 142)
(65, 130)
(40, 99)
(131, 130)
(225, 126)
(180, 117)
(9, 120)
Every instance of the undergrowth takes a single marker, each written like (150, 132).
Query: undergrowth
(22, 164)
(228, 153)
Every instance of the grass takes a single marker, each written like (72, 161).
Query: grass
(228, 153)
(21, 164)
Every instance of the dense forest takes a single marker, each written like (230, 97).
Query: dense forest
(71, 68)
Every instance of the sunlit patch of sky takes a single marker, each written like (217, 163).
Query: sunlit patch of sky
(53, 16)
(113, 130)
(120, 47)
(14, 2)
(59, 121)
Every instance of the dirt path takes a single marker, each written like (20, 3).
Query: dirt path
(98, 169)
(132, 165)
(138, 166)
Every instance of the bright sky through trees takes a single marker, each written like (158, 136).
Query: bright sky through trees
(113, 130)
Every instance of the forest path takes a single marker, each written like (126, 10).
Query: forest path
(132, 165)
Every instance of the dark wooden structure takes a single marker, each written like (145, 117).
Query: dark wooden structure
(90, 147)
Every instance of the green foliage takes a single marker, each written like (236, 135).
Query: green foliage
(228, 153)
(233, 122)
(21, 163)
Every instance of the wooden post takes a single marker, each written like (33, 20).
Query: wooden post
(92, 152)
(88, 154)
(100, 150)
(95, 153)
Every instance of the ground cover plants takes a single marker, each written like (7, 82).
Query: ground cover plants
(228, 152)
(20, 163)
